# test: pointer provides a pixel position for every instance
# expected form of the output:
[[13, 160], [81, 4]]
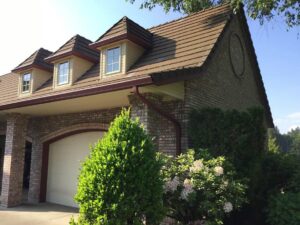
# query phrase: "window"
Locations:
[[26, 82], [113, 57], [63, 73]]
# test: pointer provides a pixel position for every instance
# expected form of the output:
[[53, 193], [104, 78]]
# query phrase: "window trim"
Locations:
[[57, 74], [106, 60], [29, 83]]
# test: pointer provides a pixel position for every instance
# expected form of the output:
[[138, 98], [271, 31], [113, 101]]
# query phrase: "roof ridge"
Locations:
[[186, 16]]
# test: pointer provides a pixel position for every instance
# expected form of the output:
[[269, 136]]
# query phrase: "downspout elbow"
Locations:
[[167, 116]]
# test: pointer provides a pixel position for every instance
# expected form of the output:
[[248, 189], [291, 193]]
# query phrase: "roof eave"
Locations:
[[121, 37], [51, 59], [32, 66]]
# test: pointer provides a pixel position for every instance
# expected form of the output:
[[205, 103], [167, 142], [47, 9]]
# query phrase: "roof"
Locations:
[[36, 60], [178, 48], [78, 46], [125, 29]]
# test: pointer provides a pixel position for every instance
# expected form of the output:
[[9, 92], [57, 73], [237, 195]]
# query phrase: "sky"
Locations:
[[28, 25]]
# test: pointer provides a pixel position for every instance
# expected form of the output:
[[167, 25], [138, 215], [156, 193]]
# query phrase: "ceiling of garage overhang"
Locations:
[[95, 102]]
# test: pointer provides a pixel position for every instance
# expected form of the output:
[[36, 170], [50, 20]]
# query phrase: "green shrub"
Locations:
[[120, 182], [284, 209], [241, 138], [201, 189]]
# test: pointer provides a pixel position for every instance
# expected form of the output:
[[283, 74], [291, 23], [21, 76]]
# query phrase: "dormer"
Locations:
[[33, 72], [121, 46], [71, 60]]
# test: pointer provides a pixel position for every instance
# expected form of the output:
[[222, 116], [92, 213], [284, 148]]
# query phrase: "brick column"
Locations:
[[148, 118], [13, 166], [35, 171]]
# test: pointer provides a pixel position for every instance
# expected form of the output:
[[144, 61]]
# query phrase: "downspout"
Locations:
[[167, 116]]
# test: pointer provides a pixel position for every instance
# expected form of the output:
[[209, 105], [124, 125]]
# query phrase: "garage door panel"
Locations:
[[65, 158]]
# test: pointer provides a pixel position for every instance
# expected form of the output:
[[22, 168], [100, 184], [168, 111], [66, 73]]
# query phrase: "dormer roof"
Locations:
[[125, 29], [36, 60], [78, 46]]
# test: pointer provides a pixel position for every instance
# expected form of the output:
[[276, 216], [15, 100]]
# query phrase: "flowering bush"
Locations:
[[200, 190]]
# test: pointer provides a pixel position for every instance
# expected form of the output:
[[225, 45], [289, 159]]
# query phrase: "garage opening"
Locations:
[[2, 147], [26, 173], [64, 162]]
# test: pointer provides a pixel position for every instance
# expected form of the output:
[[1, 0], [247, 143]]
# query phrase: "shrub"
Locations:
[[241, 138], [120, 181], [200, 189], [284, 209]]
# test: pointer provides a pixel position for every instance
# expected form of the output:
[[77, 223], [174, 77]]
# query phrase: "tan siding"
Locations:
[[133, 53]]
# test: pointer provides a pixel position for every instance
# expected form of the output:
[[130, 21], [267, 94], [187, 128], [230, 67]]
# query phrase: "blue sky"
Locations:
[[31, 24]]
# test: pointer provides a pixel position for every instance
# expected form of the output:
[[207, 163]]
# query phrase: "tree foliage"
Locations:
[[289, 142], [120, 181], [257, 9]]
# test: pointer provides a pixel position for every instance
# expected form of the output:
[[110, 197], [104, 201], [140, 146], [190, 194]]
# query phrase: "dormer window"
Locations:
[[113, 60], [63, 73], [26, 78]]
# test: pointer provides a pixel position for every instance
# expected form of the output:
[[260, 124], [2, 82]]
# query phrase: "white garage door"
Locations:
[[65, 157]]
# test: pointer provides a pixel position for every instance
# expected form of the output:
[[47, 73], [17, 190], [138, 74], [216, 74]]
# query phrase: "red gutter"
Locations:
[[165, 115]]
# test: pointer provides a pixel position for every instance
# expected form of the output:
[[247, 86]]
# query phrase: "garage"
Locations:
[[65, 158]]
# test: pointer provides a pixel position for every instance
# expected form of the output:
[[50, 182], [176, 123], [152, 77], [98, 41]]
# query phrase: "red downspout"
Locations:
[[165, 115]]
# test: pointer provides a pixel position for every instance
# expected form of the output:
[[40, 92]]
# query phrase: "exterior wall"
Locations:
[[39, 77], [219, 86], [80, 66], [133, 53], [12, 181], [157, 126], [41, 127]]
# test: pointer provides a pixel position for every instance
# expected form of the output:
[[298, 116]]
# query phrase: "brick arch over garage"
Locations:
[[58, 135]]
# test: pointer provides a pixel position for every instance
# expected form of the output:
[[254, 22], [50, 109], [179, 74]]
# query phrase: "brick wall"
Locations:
[[161, 129], [218, 86], [12, 182]]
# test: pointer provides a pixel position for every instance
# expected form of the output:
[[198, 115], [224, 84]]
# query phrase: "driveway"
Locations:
[[39, 214]]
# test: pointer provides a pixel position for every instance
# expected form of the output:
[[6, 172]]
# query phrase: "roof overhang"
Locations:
[[32, 66], [121, 37], [51, 59]]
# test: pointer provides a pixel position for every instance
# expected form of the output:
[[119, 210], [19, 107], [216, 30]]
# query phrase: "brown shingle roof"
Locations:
[[78, 46], [125, 29], [36, 60], [185, 43]]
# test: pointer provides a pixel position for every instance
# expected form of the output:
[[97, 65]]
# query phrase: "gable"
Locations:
[[231, 77]]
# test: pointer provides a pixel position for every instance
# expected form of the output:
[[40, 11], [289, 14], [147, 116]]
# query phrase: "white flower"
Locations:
[[228, 207], [172, 185], [197, 166], [225, 183], [186, 192], [218, 170], [187, 183]]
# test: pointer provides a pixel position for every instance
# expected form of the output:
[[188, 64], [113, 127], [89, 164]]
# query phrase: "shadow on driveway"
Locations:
[[37, 214]]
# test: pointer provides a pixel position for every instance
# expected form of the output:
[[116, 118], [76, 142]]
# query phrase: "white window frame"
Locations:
[[58, 74], [106, 60], [28, 83]]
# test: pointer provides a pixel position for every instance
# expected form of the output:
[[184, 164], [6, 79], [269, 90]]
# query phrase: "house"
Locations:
[[54, 104]]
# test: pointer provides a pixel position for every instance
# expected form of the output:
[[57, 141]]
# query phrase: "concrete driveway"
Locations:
[[39, 214]]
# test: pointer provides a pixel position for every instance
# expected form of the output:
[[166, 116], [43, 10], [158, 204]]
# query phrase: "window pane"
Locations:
[[113, 60], [26, 82], [63, 73]]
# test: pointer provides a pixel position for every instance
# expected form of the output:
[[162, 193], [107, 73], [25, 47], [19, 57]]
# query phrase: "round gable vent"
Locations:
[[237, 55]]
